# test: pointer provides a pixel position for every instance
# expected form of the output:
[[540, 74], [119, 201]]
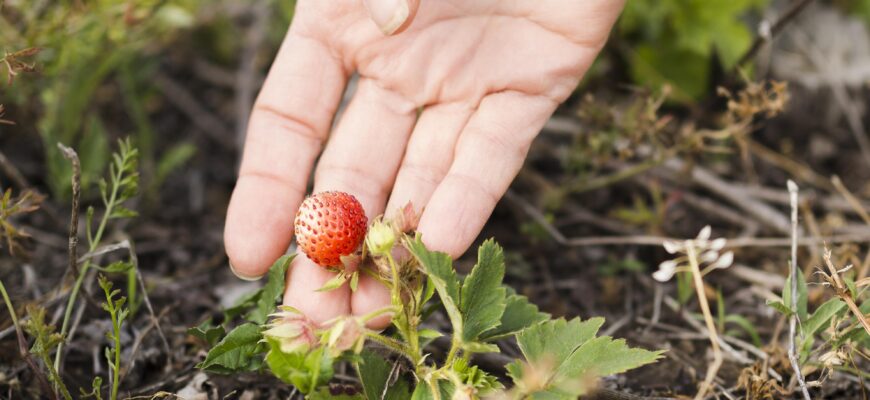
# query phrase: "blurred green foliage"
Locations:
[[83, 44], [674, 41], [98, 57], [860, 8]]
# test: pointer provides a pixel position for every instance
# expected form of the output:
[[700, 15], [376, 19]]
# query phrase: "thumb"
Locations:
[[392, 16]]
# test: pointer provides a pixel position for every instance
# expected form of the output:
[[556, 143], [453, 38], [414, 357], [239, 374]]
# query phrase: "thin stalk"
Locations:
[[55, 377], [451, 355], [8, 302], [116, 365], [713, 369], [22, 345], [110, 205], [377, 313], [792, 320], [392, 344], [409, 330]]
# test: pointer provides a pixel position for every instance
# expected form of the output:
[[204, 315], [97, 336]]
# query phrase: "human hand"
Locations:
[[487, 74]]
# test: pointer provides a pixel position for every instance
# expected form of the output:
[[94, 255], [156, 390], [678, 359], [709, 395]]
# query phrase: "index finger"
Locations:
[[287, 128]]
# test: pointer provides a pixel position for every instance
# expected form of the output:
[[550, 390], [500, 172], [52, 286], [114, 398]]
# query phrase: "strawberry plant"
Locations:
[[561, 358]]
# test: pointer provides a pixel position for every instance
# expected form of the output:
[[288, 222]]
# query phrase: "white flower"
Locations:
[[709, 256], [707, 250], [666, 271], [724, 261], [672, 247], [718, 244], [704, 235]]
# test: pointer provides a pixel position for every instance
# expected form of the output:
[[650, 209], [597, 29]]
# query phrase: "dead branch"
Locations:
[[793, 271], [728, 191], [71, 155]]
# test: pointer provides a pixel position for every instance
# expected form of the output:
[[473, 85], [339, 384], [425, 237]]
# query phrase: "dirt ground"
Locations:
[[582, 224]]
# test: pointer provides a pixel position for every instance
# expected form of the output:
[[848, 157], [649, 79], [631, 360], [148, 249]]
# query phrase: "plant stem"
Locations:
[[8, 302], [116, 366], [110, 205], [22, 346], [377, 313], [409, 330], [395, 289], [793, 271], [713, 368], [55, 377], [451, 355], [392, 344]]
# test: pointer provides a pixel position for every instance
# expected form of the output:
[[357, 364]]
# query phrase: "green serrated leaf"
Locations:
[[604, 356], [120, 211], [473, 376], [374, 374], [242, 304], [118, 266], [207, 332], [439, 268], [482, 297], [235, 352], [305, 371], [570, 356], [555, 340], [272, 291], [518, 314], [424, 391]]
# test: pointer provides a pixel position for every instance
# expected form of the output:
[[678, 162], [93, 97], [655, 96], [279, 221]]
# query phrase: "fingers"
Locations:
[[489, 154], [366, 148], [370, 296], [303, 279], [429, 155], [288, 125], [361, 158], [392, 16]]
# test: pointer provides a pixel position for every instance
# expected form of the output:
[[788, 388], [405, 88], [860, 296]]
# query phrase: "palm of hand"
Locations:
[[487, 73]]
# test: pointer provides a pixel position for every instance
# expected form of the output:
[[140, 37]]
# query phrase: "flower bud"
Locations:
[[380, 238], [293, 332], [346, 334]]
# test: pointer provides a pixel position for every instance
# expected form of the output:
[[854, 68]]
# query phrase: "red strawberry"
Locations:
[[330, 225]]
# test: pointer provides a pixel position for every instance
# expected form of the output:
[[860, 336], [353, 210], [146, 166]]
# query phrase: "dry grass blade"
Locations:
[[833, 278], [713, 368], [850, 198]]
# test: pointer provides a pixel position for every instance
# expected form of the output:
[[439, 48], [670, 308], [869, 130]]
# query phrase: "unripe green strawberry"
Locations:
[[330, 225]]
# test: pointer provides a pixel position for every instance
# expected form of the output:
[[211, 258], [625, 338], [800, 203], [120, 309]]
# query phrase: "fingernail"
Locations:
[[389, 15], [242, 276]]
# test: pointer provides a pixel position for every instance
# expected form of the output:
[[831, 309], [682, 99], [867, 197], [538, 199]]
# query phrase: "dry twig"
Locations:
[[793, 271]]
